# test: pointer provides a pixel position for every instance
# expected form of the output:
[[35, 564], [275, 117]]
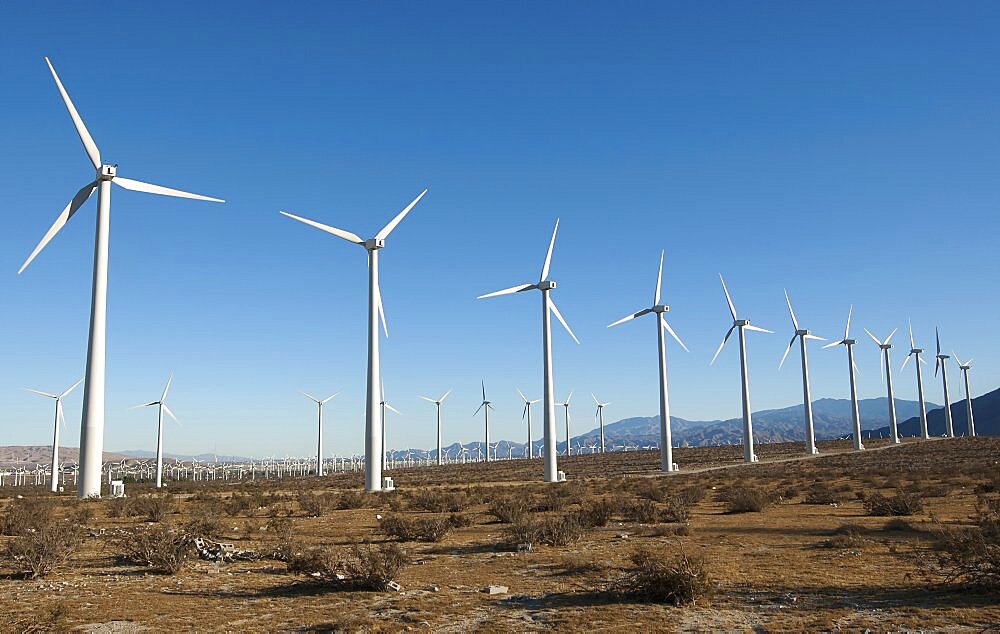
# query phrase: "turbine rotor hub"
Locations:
[[106, 172], [801, 333], [741, 322], [373, 244], [849, 342], [661, 308], [916, 350], [885, 346], [546, 285]]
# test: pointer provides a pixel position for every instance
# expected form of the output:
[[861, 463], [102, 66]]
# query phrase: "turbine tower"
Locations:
[[941, 363], [548, 306], [569, 451], [319, 429], [599, 414], [384, 405], [965, 367], [852, 369], [486, 407], [666, 442], [743, 325], [527, 412], [884, 347], [92, 422], [915, 353], [54, 485], [437, 404], [161, 409], [802, 334], [373, 412]]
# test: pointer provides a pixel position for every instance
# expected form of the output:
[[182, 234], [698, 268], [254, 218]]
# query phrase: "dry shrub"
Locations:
[[154, 507], [239, 503], [677, 509], [648, 489], [459, 520], [553, 530], [902, 503], [641, 511], [595, 513], [676, 578], [821, 494], [354, 500], [439, 501], [206, 520], [746, 499], [41, 549], [26, 515], [160, 548], [554, 499], [846, 536], [898, 525], [417, 529], [316, 504], [691, 495], [121, 507], [368, 567], [971, 555], [509, 509]]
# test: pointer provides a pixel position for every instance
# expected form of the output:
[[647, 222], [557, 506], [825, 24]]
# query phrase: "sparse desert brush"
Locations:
[[459, 520], [240, 503], [552, 530], [25, 515], [206, 520], [846, 536], [677, 508], [641, 511], [577, 564], [692, 494], [596, 513], [746, 499], [675, 578], [438, 501], [279, 528], [649, 489], [41, 549], [508, 509], [901, 503], [354, 500], [160, 548], [316, 504], [897, 525], [971, 554], [821, 493], [415, 529], [367, 567], [153, 507], [552, 500]]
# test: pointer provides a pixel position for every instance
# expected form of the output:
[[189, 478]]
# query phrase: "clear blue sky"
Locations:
[[848, 152]]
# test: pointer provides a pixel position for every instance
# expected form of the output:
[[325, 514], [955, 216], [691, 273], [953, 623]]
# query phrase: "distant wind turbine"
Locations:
[[319, 429], [915, 353], [437, 404], [548, 306], [802, 334], [54, 487], [941, 363], [486, 407], [527, 412], [373, 411], [852, 369], [569, 451], [384, 405], [161, 409], [666, 440], [92, 423], [599, 414], [884, 347], [965, 367], [743, 325]]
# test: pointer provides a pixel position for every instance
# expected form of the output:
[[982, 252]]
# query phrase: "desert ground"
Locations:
[[792, 543]]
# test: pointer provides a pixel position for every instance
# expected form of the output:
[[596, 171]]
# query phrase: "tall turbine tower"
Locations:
[[319, 429], [941, 363], [915, 353], [743, 325], [161, 409], [569, 450], [54, 485], [373, 411], [965, 367], [486, 407], [658, 309], [599, 414], [852, 369], [884, 347], [92, 423], [548, 306], [527, 412], [437, 404], [802, 334]]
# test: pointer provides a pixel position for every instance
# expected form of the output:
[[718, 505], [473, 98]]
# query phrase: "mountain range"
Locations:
[[985, 414]]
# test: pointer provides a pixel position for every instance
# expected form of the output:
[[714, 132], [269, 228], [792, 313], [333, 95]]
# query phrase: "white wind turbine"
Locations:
[[743, 325], [548, 306], [527, 412], [161, 409], [373, 412], [92, 423], [486, 407], [941, 362], [319, 428], [599, 414], [59, 416], [569, 450], [437, 404], [915, 353], [384, 405], [965, 367], [884, 347], [666, 441], [802, 334], [852, 368]]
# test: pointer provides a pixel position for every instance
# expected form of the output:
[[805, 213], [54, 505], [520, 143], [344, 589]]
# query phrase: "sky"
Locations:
[[845, 151]]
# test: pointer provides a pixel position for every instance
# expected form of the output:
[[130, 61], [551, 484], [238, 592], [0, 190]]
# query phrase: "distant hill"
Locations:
[[31, 455], [985, 412], [202, 457]]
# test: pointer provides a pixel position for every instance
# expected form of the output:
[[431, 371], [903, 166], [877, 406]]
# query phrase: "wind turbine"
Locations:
[[852, 368], [802, 334], [569, 450], [941, 363], [600, 417], [59, 416], [527, 412], [319, 429], [161, 409], [92, 422], [666, 442], [743, 325], [965, 367], [437, 404], [915, 353], [373, 412], [486, 407], [884, 347], [548, 306], [384, 405]]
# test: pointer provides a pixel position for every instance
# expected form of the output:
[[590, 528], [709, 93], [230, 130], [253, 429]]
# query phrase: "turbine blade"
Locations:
[[149, 188], [548, 254], [39, 392], [145, 405], [62, 417], [905, 361], [847, 329], [479, 408], [910, 324], [508, 291], [937, 337], [555, 311], [874, 338], [310, 397], [881, 365], [381, 309], [832, 344], [787, 350], [88, 142], [724, 340], [732, 309], [891, 334], [570, 397], [166, 389], [386, 230], [666, 326], [814, 337], [659, 280], [169, 413], [392, 409], [70, 388], [758, 329], [63, 217], [795, 322], [441, 400], [597, 402], [524, 412], [483, 383], [330, 397], [630, 317], [855, 363], [429, 400], [937, 365], [340, 233], [523, 397]]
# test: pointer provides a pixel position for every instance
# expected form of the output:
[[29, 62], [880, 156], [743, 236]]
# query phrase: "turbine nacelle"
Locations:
[[849, 342], [545, 285], [106, 172], [916, 350], [739, 323], [372, 244], [660, 308], [802, 333], [885, 346]]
